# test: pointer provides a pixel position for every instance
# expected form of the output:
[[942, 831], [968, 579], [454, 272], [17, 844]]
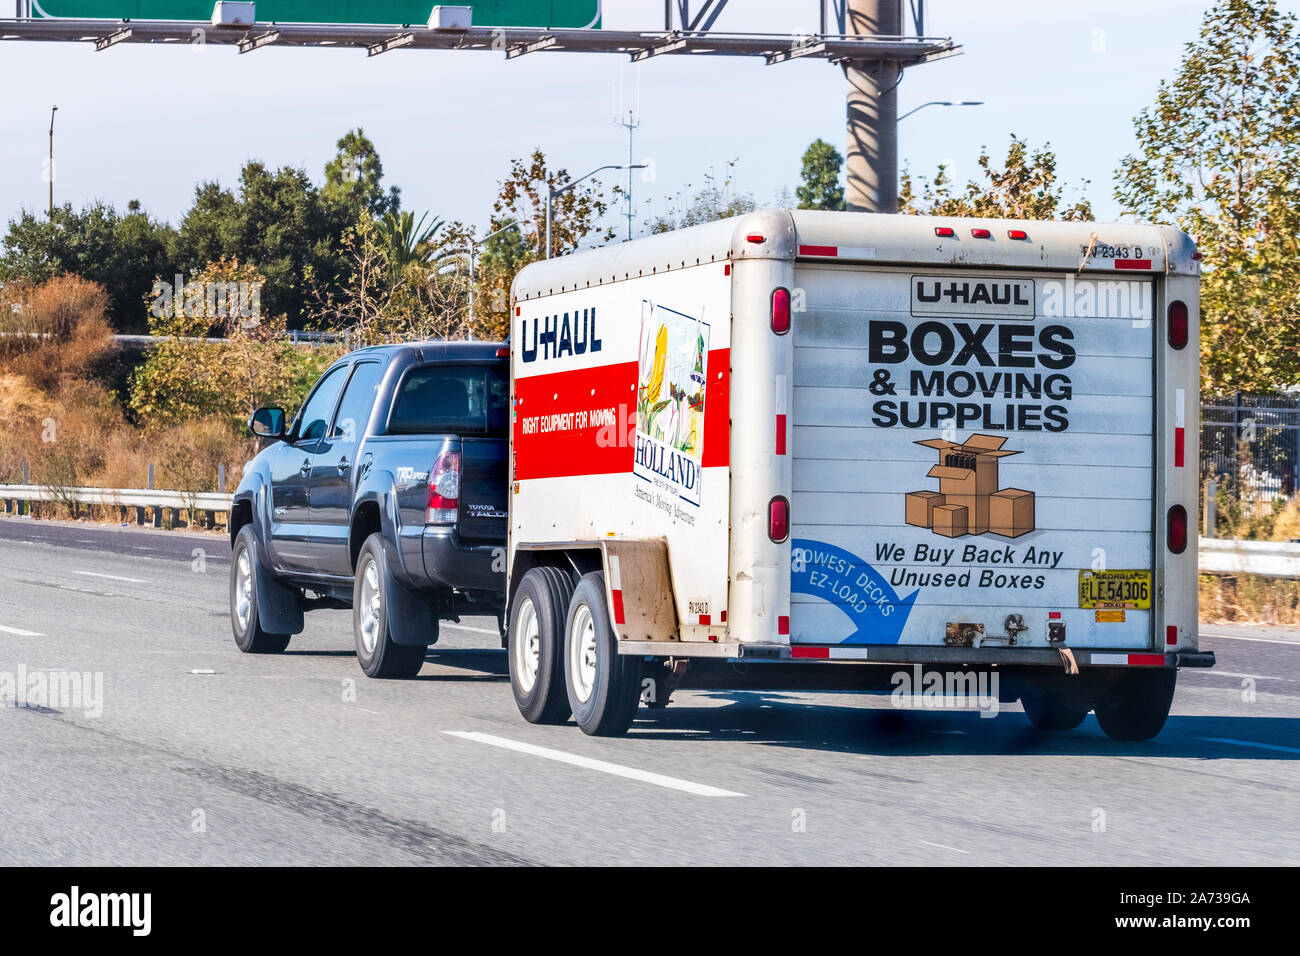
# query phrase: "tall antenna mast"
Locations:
[[630, 119]]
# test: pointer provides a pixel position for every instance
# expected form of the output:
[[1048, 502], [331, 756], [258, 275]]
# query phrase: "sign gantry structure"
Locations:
[[865, 37]]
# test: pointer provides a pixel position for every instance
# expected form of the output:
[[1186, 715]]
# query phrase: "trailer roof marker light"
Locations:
[[1017, 234], [756, 238], [945, 232], [781, 311], [982, 233], [1178, 324]]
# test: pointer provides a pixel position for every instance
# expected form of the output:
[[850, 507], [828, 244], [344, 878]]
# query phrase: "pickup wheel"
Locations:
[[535, 645], [245, 619], [1136, 704], [377, 653], [604, 686], [1053, 711]]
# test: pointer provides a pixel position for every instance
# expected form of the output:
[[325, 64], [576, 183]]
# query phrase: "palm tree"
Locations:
[[408, 242]]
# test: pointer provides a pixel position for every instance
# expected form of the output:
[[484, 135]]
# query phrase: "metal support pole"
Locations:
[[872, 156], [1211, 507], [50, 172]]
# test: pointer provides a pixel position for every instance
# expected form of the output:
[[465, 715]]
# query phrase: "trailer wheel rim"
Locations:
[[582, 653], [243, 590], [371, 606], [527, 646]]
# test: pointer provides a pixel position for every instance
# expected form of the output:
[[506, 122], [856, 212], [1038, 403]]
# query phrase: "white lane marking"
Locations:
[[202, 670], [1251, 743], [587, 763], [19, 632], [1218, 673], [1257, 640], [477, 630], [111, 577], [942, 846]]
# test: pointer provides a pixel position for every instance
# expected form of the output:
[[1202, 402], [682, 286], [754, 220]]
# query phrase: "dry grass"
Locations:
[[1249, 599]]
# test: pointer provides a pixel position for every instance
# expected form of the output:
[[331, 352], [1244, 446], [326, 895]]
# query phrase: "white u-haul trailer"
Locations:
[[796, 443]]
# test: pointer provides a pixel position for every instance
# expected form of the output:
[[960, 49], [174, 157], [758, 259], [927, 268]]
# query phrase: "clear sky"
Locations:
[[148, 122]]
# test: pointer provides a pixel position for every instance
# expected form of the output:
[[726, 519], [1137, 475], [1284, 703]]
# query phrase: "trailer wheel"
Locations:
[[1136, 704], [1053, 711], [604, 686], [245, 616], [377, 653], [535, 645]]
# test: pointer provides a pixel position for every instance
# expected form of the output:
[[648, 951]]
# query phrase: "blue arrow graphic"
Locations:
[[842, 578]]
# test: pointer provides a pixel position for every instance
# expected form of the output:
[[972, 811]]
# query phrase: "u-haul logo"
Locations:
[[555, 336], [986, 296]]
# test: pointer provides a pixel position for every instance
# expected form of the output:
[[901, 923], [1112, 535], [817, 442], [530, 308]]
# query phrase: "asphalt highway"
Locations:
[[171, 747]]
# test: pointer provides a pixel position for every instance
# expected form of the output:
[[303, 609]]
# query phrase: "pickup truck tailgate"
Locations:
[[483, 501]]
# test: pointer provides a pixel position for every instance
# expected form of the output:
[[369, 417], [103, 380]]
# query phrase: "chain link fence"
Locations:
[[1250, 460]]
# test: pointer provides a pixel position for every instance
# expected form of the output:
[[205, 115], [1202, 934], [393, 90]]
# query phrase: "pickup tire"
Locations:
[[377, 653], [535, 645], [1053, 711], [245, 616], [604, 687], [1136, 704]]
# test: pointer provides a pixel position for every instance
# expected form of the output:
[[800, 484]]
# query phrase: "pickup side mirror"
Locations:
[[267, 423]]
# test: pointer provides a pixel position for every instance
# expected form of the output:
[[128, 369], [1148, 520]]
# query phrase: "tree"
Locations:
[[575, 212], [278, 223], [716, 199], [821, 187], [124, 254], [1219, 156], [1025, 188], [353, 178]]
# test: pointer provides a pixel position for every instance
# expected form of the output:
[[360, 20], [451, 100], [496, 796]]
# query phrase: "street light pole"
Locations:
[[473, 255], [552, 192], [50, 172]]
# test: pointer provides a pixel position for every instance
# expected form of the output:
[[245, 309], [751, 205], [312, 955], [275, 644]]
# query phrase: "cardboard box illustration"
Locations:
[[950, 521], [1011, 512], [920, 507], [968, 481]]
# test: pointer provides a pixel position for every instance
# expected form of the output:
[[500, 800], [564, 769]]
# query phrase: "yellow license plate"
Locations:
[[1115, 589]]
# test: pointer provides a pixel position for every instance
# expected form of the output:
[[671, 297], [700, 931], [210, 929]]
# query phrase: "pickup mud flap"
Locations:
[[412, 620]]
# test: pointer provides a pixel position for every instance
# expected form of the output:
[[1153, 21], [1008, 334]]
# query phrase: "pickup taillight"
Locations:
[[444, 489]]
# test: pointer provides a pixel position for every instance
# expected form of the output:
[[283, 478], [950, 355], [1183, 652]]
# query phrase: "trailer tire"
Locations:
[[604, 687], [245, 609], [535, 645], [378, 654], [1136, 704], [1053, 711]]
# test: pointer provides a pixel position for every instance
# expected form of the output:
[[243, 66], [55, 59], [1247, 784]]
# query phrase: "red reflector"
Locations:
[[1177, 529], [1171, 633], [1178, 324], [755, 238], [783, 624], [726, 270], [981, 234], [778, 519], [944, 232], [518, 309], [1017, 234], [503, 353], [781, 311], [814, 652], [829, 252], [1146, 660]]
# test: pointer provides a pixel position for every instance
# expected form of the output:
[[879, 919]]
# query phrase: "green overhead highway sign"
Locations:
[[577, 14]]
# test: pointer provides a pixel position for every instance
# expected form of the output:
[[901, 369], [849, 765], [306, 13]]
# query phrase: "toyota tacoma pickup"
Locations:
[[385, 494]]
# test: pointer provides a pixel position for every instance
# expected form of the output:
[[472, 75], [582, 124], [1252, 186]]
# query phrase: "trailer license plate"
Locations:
[[1115, 589]]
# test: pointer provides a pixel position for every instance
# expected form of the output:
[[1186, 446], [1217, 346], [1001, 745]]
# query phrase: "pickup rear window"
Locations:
[[453, 399]]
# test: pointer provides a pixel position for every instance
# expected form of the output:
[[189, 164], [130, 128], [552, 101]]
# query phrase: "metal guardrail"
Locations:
[[17, 499], [1268, 558]]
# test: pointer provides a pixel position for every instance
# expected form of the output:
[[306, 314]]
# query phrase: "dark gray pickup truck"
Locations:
[[386, 494]]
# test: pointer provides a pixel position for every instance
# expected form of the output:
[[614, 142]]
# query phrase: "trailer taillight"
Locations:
[[1178, 324], [1177, 525], [778, 519], [781, 311], [444, 489]]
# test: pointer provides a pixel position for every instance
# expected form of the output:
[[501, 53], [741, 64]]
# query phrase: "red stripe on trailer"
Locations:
[[1132, 263], [1179, 439], [722, 617], [783, 624], [829, 252], [705, 620], [1146, 660], [817, 652], [717, 411], [1171, 633], [618, 606], [780, 434]]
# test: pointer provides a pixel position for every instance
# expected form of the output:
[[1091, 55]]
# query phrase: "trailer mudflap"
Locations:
[[639, 587]]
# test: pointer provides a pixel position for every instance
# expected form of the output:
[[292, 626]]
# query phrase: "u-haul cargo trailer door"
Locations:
[[969, 445]]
